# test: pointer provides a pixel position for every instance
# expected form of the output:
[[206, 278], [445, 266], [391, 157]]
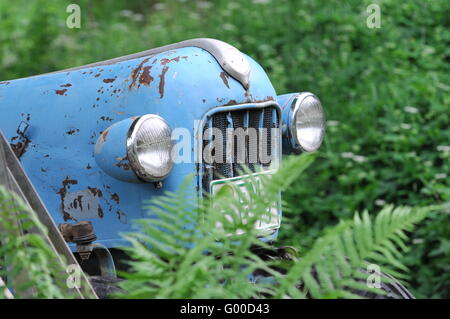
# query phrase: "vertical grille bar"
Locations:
[[207, 166], [239, 161], [266, 147], [230, 155], [275, 147], [253, 141], [222, 169]]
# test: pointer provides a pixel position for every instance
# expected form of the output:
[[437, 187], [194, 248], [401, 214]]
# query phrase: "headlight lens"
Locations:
[[307, 123], [149, 146]]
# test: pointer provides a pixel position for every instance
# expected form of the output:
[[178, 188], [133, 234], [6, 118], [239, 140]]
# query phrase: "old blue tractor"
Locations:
[[96, 141]]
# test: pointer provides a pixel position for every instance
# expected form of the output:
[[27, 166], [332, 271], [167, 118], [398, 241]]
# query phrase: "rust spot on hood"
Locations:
[[65, 183], [77, 202], [62, 193], [177, 59], [162, 81], [20, 147], [95, 191], [123, 163], [231, 102], [104, 134], [66, 85], [135, 73], [100, 212], [224, 78], [109, 80], [61, 92], [145, 77], [72, 131], [115, 198]]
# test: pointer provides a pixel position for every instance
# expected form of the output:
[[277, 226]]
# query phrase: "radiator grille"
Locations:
[[258, 151]]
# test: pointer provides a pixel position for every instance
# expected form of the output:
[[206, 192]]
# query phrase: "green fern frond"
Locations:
[[203, 260], [339, 258], [23, 250], [180, 252]]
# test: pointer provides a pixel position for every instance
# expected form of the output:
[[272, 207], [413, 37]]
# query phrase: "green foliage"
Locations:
[[344, 250], [385, 91], [181, 251], [186, 251], [26, 261]]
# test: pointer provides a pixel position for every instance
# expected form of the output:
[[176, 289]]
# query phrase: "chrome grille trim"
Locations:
[[259, 115]]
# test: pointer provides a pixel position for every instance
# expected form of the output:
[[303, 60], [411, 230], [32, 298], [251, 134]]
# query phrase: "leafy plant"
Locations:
[[189, 251], [340, 255], [26, 260], [186, 250], [183, 251]]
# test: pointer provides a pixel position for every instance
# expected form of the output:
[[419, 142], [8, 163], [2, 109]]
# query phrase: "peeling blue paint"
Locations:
[[67, 112]]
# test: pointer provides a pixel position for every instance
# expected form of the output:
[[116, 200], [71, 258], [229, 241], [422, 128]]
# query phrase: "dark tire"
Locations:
[[393, 289], [105, 287]]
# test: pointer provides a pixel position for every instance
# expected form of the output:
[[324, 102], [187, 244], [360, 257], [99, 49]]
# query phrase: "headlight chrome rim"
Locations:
[[133, 156], [292, 125]]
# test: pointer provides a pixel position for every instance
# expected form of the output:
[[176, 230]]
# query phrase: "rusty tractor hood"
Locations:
[[53, 121]]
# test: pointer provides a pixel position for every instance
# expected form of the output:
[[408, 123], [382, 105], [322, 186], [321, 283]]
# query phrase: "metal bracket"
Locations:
[[82, 234], [105, 260]]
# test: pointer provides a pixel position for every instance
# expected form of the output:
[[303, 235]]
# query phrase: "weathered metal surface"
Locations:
[[67, 112], [285, 102], [110, 152], [228, 57], [15, 179]]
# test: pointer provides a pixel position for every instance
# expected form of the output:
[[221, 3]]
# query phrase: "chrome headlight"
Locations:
[[306, 123], [149, 147]]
